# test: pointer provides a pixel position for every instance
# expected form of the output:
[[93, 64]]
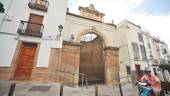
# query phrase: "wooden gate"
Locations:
[[91, 61]]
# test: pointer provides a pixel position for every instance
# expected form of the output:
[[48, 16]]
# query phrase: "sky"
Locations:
[[153, 15]]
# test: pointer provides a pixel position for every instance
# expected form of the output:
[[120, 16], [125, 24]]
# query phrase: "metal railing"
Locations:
[[39, 4], [79, 74], [120, 85], [30, 28]]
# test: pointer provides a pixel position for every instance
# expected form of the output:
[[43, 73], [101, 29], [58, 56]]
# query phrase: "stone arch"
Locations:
[[71, 58], [94, 31]]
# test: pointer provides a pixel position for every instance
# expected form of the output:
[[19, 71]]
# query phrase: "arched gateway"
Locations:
[[89, 47], [91, 58]]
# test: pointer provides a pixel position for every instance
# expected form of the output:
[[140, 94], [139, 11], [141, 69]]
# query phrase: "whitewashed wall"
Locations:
[[7, 49], [131, 35], [19, 10], [150, 51], [124, 58]]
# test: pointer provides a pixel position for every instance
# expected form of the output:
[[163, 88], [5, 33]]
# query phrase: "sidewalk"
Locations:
[[129, 90], [53, 89]]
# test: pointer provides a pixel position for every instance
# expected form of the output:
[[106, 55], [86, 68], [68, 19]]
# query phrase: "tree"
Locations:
[[165, 66]]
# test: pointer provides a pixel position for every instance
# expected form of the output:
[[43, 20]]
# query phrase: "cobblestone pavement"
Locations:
[[53, 89]]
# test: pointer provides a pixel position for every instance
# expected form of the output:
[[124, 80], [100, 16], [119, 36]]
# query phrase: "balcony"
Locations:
[[39, 5], [30, 29]]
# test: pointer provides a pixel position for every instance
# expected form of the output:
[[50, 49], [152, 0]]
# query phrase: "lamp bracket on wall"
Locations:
[[60, 29]]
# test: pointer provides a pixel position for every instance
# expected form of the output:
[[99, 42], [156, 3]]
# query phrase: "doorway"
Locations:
[[34, 24], [25, 61], [91, 59], [138, 71]]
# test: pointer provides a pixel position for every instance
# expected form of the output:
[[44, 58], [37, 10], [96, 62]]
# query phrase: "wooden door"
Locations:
[[138, 71], [91, 61], [34, 24], [25, 61]]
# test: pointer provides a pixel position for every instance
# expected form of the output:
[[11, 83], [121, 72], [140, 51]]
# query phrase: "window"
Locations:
[[140, 37], [168, 61], [168, 57], [154, 70], [128, 69], [32, 27], [150, 55], [142, 48], [148, 42], [149, 46], [164, 51], [135, 50]]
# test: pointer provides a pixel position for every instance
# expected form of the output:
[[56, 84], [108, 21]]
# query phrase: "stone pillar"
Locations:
[[57, 64], [111, 65], [70, 59]]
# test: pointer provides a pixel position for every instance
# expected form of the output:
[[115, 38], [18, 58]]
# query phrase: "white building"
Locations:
[[163, 57], [139, 50], [29, 24], [133, 58]]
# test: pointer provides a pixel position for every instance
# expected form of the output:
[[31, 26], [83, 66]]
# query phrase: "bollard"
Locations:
[[86, 84], [120, 89], [96, 90], [82, 81], [11, 91], [61, 90]]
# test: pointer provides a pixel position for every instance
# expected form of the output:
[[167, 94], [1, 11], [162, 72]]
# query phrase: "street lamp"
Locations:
[[60, 28]]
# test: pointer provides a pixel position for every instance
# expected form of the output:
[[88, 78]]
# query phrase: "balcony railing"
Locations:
[[39, 5], [30, 29]]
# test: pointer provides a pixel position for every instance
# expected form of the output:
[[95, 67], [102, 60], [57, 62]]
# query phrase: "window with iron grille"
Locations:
[[154, 70], [149, 46], [135, 50], [142, 48], [128, 69], [140, 37], [164, 51]]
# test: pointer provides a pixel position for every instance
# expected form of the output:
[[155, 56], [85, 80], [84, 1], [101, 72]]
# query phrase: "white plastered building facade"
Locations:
[[15, 11], [15, 18]]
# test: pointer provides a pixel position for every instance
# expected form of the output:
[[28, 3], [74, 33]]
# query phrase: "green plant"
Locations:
[[165, 66]]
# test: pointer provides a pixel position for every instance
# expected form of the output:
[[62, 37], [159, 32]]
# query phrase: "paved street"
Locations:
[[53, 89]]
